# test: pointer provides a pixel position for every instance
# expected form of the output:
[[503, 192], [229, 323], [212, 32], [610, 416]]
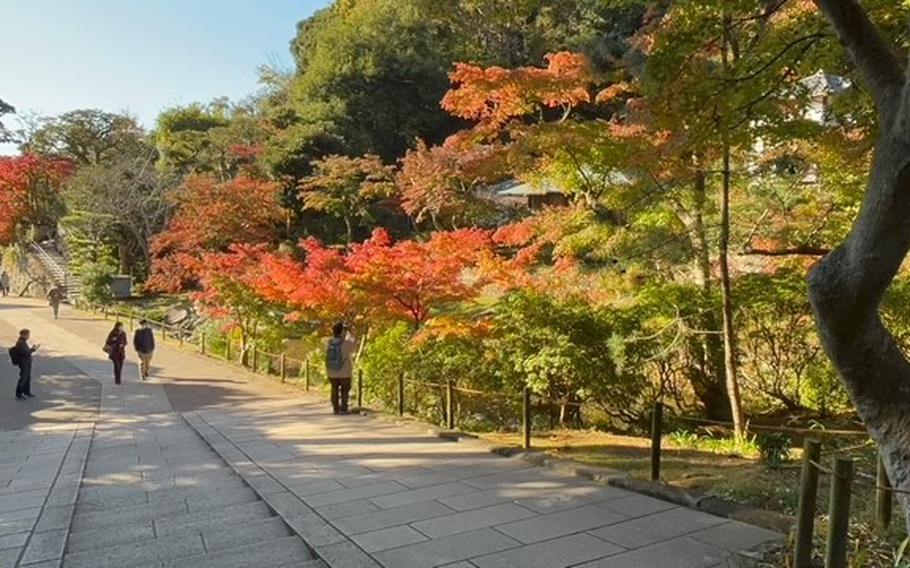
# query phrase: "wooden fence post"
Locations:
[[657, 430], [163, 333], [450, 406], [808, 493], [883, 496], [359, 388], [254, 359], [202, 342], [839, 513], [526, 418], [227, 348], [400, 394], [282, 367], [306, 376]]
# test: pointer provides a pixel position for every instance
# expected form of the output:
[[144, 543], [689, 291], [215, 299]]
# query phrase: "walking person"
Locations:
[[339, 366], [115, 347], [144, 344], [54, 298], [21, 356], [4, 283]]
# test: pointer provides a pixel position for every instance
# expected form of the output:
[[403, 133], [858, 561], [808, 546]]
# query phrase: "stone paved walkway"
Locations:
[[208, 466]]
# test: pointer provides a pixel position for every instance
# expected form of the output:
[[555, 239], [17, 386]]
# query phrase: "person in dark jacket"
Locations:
[[144, 344], [23, 358], [54, 298], [115, 346]]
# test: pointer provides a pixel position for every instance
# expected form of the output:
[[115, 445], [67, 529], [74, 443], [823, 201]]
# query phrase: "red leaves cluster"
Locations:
[[410, 277], [316, 288], [27, 182], [495, 95], [228, 279], [438, 182], [379, 279], [210, 217]]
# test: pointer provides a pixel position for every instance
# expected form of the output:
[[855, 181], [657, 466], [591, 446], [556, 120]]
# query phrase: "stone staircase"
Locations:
[[200, 519], [57, 268]]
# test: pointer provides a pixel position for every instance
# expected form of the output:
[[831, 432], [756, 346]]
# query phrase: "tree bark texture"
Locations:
[[726, 286], [847, 286]]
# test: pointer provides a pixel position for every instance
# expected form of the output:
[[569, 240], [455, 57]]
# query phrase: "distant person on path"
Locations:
[[21, 356], [115, 347], [54, 298], [4, 283], [144, 344], [339, 366]]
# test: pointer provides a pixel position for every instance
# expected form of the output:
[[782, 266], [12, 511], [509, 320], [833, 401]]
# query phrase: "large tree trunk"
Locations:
[[709, 385], [846, 287]]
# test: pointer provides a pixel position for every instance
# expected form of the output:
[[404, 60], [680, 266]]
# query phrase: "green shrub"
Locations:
[[383, 359], [773, 448], [96, 282]]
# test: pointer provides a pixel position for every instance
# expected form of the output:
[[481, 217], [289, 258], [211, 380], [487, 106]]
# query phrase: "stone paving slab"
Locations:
[[397, 507], [138, 489]]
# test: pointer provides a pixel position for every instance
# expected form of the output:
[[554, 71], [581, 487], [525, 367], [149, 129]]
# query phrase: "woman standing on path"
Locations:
[[115, 347]]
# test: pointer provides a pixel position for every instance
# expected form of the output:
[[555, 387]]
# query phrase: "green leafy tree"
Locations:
[[348, 188], [86, 137]]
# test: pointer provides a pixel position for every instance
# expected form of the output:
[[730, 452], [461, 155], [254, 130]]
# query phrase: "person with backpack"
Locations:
[[144, 344], [21, 356], [115, 347], [339, 366], [54, 298]]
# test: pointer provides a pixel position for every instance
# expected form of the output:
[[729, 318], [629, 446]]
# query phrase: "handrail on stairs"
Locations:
[[59, 273]]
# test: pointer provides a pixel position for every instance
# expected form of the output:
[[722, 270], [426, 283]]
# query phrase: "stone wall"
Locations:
[[28, 277]]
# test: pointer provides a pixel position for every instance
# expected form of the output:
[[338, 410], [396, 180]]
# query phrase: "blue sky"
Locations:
[[139, 56]]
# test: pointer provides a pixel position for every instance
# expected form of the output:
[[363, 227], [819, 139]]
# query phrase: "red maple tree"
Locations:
[[316, 288], [494, 95], [210, 217], [228, 288], [410, 278], [29, 188], [379, 280]]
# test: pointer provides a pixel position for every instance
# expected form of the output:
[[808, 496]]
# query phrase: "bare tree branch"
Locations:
[[802, 250]]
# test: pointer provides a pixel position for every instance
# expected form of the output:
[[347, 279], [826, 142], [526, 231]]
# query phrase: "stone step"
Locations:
[[263, 543], [288, 551], [139, 553], [214, 519], [98, 498], [118, 547], [169, 515]]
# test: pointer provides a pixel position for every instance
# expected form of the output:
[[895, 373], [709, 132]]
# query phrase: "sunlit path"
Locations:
[[205, 465], [152, 493]]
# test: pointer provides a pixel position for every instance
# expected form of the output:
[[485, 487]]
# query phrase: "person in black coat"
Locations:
[[115, 346], [144, 344], [22, 356]]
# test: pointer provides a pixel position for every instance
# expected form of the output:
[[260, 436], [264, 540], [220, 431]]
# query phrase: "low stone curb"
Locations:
[[330, 546], [47, 543]]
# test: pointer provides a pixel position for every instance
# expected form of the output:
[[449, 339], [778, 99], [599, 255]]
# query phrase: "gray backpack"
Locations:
[[334, 357]]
